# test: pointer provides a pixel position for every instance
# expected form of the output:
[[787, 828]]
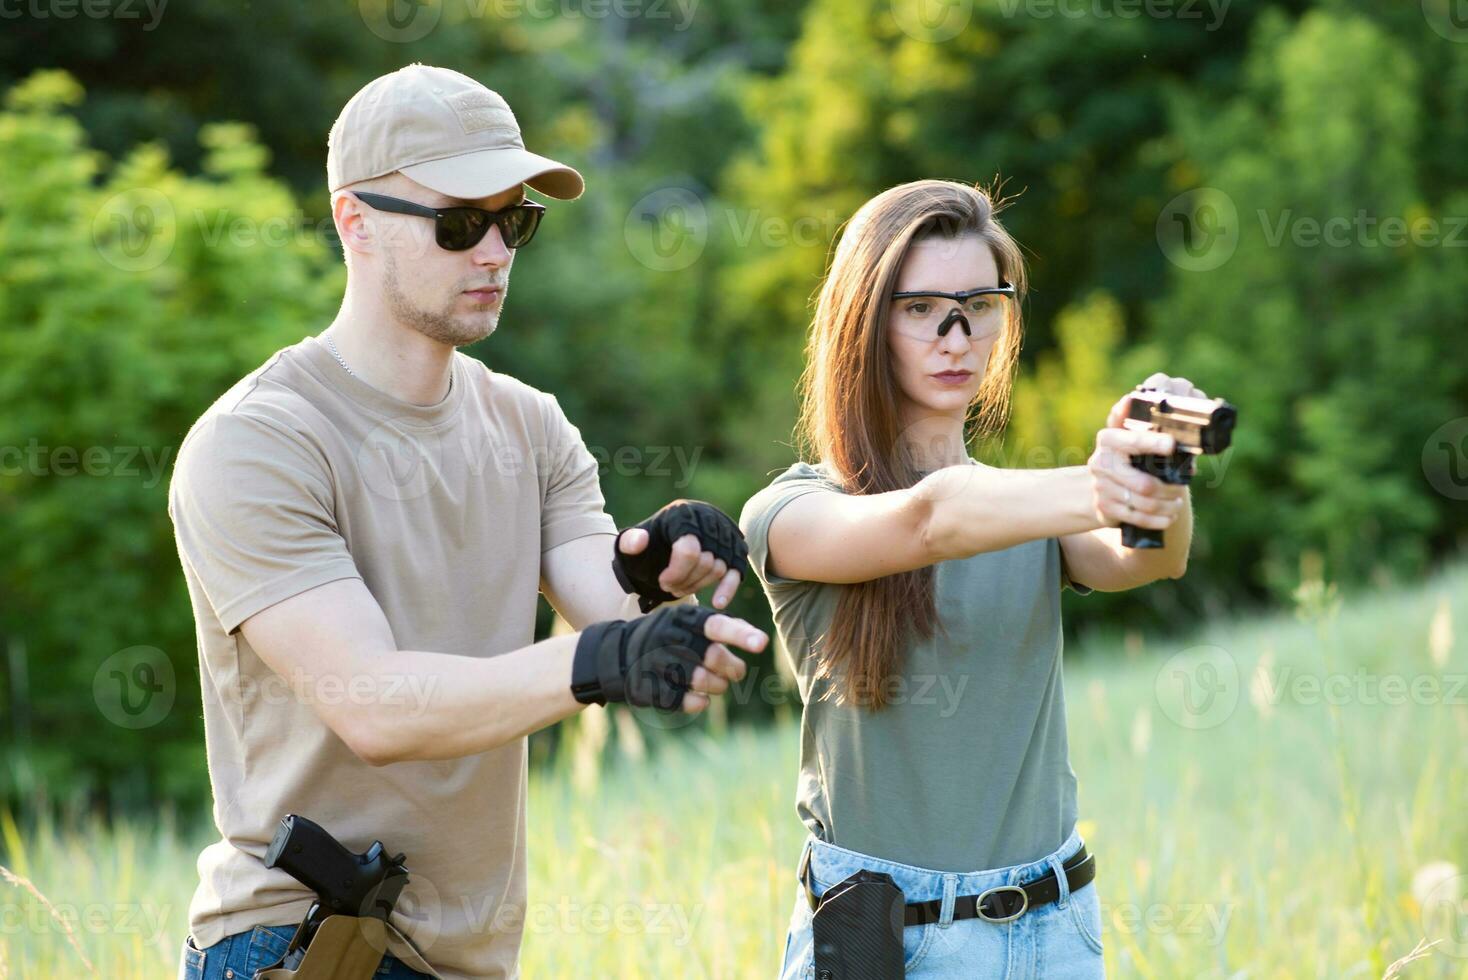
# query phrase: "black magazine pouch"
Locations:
[[857, 929]]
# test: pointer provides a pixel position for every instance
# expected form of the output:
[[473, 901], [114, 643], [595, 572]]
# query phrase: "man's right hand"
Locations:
[[672, 658]]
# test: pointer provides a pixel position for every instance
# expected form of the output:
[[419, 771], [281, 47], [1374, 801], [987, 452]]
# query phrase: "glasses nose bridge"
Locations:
[[491, 249], [955, 323]]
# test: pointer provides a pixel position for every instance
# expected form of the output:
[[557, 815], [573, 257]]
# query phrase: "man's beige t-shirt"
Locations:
[[302, 474]]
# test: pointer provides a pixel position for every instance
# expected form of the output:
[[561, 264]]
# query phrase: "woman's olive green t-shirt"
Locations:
[[967, 767]]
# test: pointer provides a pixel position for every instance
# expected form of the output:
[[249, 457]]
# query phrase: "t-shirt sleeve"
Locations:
[[253, 516], [1065, 580], [759, 512], [573, 505]]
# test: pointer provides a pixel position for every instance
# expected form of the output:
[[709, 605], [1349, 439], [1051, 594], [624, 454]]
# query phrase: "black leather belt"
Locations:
[[1002, 903]]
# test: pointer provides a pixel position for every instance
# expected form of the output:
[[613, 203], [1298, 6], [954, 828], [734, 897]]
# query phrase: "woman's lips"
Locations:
[[952, 377]]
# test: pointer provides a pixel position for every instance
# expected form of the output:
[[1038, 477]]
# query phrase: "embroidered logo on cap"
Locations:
[[481, 111]]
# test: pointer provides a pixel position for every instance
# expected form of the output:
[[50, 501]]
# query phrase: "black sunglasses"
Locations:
[[1003, 289], [457, 229]]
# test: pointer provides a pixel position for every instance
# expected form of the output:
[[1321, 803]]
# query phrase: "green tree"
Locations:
[[1332, 335], [132, 297]]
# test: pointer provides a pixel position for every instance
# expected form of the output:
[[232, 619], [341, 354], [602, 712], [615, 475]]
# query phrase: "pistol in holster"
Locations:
[[344, 933]]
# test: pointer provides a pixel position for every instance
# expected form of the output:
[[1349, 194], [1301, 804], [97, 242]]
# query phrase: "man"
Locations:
[[364, 523]]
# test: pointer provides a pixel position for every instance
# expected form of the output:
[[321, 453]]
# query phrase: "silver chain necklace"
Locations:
[[337, 354]]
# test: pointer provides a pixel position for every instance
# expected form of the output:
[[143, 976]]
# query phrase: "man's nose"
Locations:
[[491, 250]]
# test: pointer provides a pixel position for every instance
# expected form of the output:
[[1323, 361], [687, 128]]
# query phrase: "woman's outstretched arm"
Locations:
[[960, 511]]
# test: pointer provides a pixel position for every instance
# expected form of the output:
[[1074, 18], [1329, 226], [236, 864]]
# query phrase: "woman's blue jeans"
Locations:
[[1058, 941]]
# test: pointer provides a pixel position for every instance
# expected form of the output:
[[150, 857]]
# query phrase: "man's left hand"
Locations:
[[684, 547]]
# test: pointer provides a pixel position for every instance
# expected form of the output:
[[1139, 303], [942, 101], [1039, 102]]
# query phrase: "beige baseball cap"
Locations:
[[442, 129]]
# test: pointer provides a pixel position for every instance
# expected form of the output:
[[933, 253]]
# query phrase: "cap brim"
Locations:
[[484, 173]]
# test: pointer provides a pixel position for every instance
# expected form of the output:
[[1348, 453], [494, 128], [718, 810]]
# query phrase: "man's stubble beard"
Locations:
[[445, 326]]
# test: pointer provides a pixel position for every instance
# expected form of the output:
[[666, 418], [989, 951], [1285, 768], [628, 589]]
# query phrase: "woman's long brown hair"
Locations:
[[850, 399]]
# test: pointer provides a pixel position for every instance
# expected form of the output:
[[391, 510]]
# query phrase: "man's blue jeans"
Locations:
[[237, 957]]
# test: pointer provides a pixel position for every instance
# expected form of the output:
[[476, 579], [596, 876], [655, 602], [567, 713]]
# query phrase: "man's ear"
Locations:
[[350, 218]]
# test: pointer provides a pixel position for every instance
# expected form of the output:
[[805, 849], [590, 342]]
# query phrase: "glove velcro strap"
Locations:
[[597, 674], [645, 662]]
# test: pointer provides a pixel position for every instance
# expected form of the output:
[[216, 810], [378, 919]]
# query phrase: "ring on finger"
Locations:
[[1127, 500]]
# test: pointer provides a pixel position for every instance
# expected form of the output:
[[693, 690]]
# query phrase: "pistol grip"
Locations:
[[1141, 537]]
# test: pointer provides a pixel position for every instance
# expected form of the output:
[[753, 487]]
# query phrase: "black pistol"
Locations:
[[1197, 425], [345, 883]]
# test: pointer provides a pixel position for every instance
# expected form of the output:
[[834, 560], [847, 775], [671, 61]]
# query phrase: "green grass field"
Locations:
[[1278, 797]]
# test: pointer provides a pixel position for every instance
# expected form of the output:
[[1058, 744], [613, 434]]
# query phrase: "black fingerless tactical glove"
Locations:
[[646, 662], [716, 532]]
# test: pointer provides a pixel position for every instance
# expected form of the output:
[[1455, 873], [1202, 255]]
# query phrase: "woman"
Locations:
[[917, 593]]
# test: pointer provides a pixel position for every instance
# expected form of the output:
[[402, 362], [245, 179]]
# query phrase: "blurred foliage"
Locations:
[[129, 306], [164, 228]]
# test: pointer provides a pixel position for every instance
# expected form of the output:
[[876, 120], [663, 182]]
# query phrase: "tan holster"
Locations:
[[345, 947]]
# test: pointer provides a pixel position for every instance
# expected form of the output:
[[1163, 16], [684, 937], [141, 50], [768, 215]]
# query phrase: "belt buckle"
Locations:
[[1024, 903]]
